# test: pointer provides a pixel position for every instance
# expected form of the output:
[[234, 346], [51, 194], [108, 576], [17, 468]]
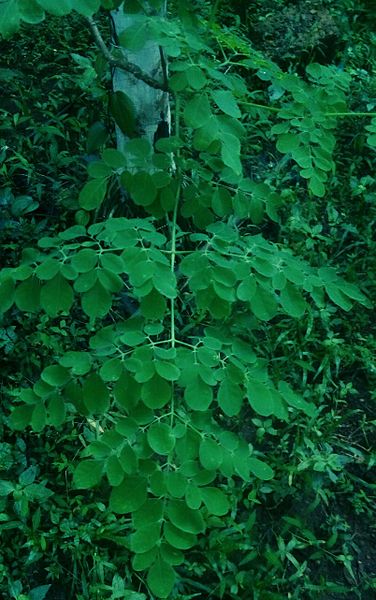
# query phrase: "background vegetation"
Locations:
[[307, 533]]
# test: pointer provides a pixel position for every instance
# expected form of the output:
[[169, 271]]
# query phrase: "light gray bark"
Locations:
[[151, 104]]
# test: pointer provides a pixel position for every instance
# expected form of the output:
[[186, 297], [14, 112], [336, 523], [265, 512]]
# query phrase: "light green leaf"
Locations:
[[39, 417], [161, 438], [88, 474], [56, 296], [161, 578], [112, 262], [225, 100], [210, 454], [185, 518], [129, 496], [260, 469], [95, 394]]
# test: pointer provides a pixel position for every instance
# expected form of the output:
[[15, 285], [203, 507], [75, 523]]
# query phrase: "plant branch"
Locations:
[[123, 63]]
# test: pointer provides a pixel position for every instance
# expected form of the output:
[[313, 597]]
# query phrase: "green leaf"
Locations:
[[230, 152], [21, 417], [164, 281], [335, 294], [161, 438], [111, 369], [196, 77], [161, 578], [86, 7], [9, 18], [215, 501], [7, 294], [39, 417], [294, 400], [198, 394], [150, 512], [48, 269], [167, 370], [287, 142], [225, 100], [114, 470], [260, 469], [263, 304], [143, 189], [260, 398], [93, 193], [58, 9], [56, 411], [55, 375], [156, 392], [230, 397], [178, 538], [95, 395], [112, 262], [97, 301], [316, 186], [28, 295], [292, 301], [153, 306], [197, 111], [6, 488], [146, 538], [85, 260], [129, 496], [210, 454], [127, 392], [78, 362], [124, 112], [185, 518], [88, 473], [56, 296]]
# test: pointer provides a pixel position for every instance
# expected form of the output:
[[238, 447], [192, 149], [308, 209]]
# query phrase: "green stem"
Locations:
[[327, 114]]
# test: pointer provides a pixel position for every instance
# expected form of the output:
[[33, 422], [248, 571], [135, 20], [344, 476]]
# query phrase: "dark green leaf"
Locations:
[[129, 496]]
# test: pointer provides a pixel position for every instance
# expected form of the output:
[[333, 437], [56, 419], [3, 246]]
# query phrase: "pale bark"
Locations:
[[151, 104]]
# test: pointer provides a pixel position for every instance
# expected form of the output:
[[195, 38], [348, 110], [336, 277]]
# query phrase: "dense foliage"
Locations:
[[188, 337]]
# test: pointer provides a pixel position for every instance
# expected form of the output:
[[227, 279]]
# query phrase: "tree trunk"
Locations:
[[152, 105]]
